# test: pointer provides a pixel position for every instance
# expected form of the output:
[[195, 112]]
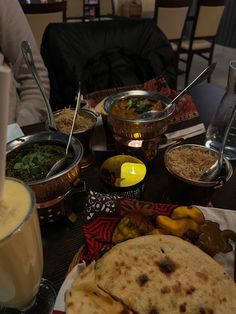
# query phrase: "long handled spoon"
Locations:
[[212, 173], [61, 163], [199, 79], [27, 53]]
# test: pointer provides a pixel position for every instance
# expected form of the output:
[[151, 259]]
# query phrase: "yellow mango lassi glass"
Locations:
[[21, 254]]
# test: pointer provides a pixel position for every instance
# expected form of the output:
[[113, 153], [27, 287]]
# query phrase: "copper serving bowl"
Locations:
[[138, 129], [51, 193], [186, 191]]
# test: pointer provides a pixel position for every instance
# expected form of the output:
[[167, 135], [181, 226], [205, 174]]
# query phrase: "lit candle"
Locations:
[[5, 81], [132, 173]]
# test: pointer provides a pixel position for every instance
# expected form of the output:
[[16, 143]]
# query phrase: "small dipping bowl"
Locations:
[[84, 135], [123, 175], [183, 190]]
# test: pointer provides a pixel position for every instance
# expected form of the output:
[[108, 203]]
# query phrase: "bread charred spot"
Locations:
[[182, 308], [70, 304], [190, 290], [166, 266], [165, 290], [154, 311], [142, 280], [162, 250]]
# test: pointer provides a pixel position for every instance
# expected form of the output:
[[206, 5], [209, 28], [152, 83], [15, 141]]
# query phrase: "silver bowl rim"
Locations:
[[198, 182], [44, 136], [169, 110]]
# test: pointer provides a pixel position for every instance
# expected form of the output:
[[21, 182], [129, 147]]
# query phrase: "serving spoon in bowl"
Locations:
[[153, 114], [28, 56], [61, 163], [214, 171]]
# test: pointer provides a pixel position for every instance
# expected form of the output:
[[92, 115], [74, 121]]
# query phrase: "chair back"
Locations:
[[148, 8], [41, 14], [123, 52], [171, 16], [205, 24], [207, 18], [74, 9], [107, 8]]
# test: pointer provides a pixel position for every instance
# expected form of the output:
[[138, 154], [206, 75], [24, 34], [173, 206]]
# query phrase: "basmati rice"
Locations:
[[190, 162], [65, 118]]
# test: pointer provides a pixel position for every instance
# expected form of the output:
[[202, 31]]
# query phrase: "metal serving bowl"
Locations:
[[139, 129], [51, 192], [84, 136], [186, 191]]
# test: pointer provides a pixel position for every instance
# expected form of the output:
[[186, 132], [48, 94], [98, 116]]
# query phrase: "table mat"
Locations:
[[105, 219]]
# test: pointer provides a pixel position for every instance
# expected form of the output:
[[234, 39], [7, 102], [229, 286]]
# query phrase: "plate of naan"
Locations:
[[152, 274]]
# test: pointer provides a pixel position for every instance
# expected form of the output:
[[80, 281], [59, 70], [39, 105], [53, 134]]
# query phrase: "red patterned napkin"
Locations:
[[109, 219], [102, 215]]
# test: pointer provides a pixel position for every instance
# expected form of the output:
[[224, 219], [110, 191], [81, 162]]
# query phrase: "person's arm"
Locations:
[[14, 29]]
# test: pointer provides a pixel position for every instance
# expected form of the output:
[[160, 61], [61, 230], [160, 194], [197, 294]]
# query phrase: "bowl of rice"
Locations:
[[83, 130], [185, 164]]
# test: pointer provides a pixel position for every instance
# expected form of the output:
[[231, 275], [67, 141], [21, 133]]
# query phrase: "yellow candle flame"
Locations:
[[132, 173]]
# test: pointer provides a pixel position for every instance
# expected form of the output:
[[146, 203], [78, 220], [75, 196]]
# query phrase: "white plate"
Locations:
[[60, 301]]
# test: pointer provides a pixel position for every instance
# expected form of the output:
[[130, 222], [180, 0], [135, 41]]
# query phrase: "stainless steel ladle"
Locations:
[[153, 114], [214, 171], [61, 163], [27, 53]]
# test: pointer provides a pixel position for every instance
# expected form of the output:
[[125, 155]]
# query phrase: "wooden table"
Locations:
[[62, 240]]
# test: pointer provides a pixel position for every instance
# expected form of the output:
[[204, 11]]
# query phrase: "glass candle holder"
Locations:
[[123, 175]]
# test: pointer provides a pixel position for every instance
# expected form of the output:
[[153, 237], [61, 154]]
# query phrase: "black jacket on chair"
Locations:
[[104, 54]]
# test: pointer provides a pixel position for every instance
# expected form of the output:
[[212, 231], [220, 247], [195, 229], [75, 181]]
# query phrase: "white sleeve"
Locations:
[[14, 29]]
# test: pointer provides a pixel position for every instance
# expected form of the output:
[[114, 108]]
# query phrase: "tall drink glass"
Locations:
[[21, 255]]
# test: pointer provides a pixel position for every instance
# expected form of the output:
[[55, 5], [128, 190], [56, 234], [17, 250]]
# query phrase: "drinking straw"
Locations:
[[5, 81]]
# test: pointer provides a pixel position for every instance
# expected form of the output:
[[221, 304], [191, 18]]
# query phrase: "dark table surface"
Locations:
[[61, 240]]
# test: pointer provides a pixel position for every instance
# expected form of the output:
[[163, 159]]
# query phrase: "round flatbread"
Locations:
[[153, 274], [162, 274]]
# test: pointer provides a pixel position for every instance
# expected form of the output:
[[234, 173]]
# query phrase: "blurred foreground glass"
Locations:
[[186, 191], [21, 255], [221, 119]]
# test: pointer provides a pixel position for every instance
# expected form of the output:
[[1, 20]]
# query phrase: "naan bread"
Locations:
[[162, 274], [153, 274], [85, 297], [100, 107]]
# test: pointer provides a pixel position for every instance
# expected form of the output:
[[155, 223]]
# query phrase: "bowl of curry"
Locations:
[[126, 114]]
